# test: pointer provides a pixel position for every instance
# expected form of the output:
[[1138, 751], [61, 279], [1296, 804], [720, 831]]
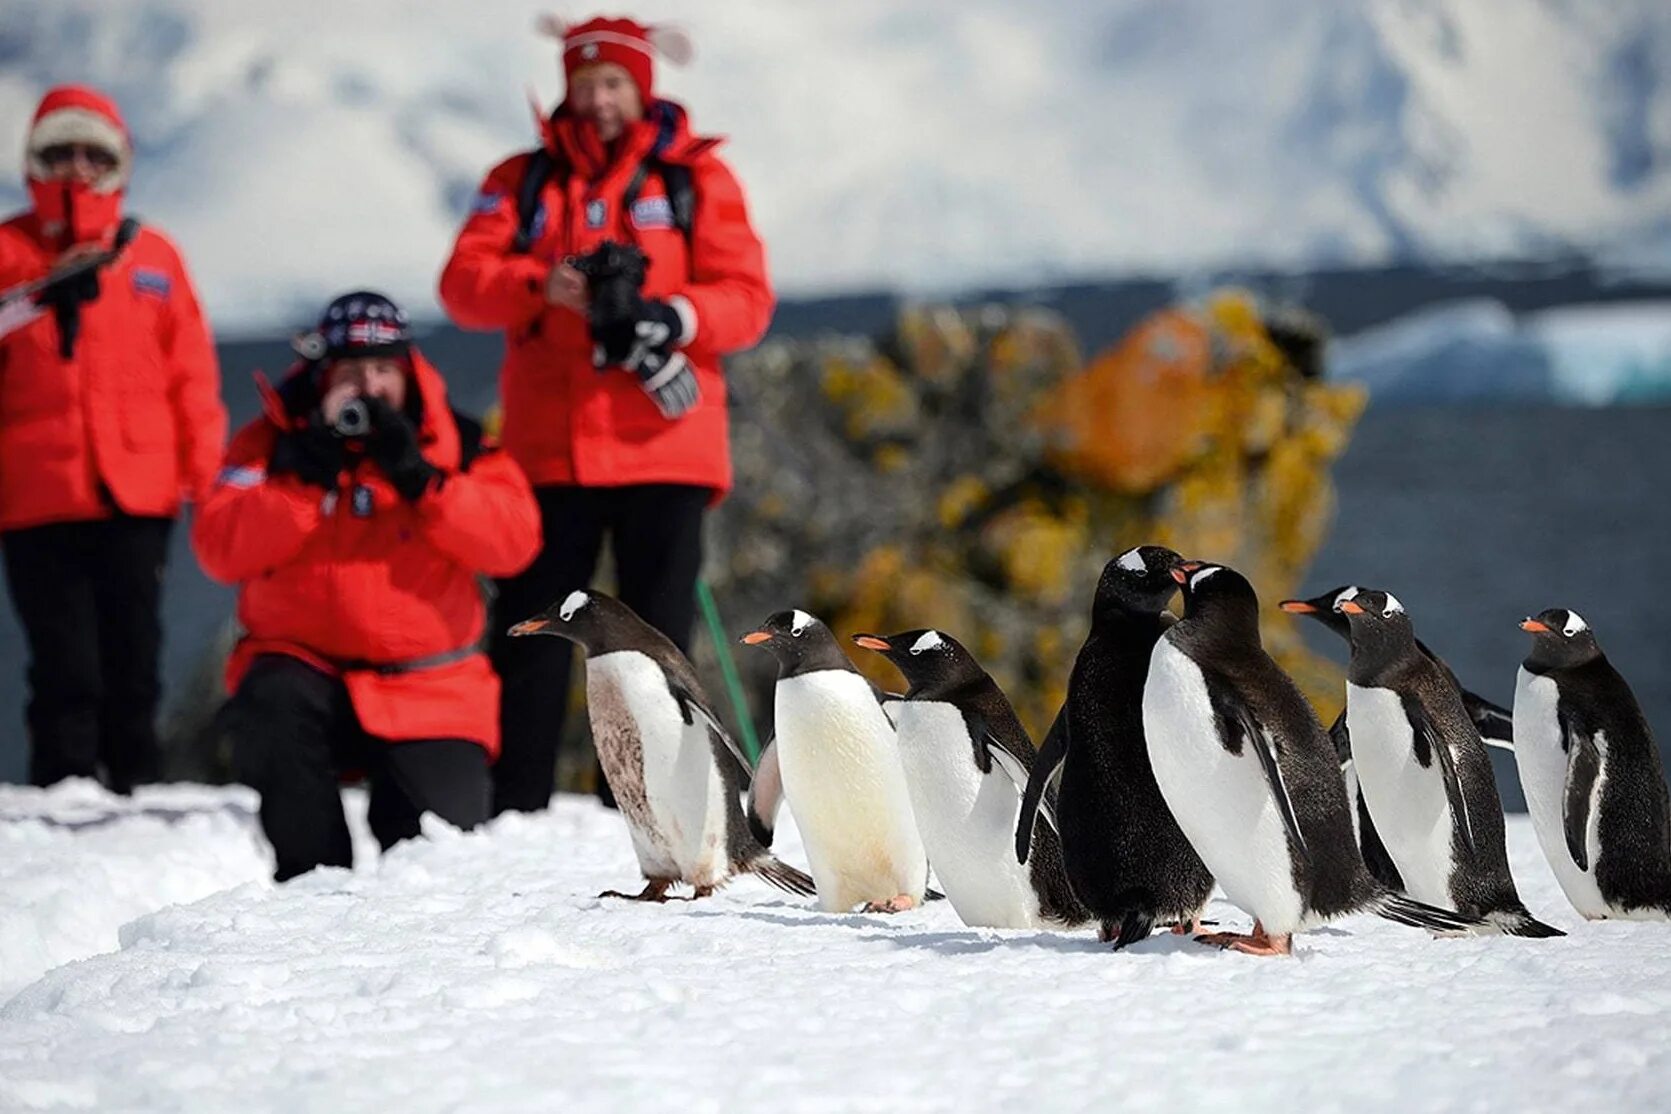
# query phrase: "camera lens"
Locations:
[[353, 420]]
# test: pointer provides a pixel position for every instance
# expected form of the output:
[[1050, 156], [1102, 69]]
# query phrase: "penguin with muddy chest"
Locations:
[[674, 770], [841, 774], [1252, 777], [1127, 859], [1594, 781], [1424, 771], [964, 752]]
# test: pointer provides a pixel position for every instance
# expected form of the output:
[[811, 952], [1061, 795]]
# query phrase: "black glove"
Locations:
[[313, 454], [393, 447], [645, 344]]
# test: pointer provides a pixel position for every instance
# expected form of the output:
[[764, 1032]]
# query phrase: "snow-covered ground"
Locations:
[[480, 973]]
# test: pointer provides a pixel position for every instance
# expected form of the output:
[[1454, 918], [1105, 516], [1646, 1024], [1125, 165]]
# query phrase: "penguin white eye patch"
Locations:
[[1393, 607], [1575, 623], [1201, 576], [1131, 561], [574, 602], [930, 640], [799, 623]]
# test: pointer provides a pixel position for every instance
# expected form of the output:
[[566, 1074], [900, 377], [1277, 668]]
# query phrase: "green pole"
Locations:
[[728, 668]]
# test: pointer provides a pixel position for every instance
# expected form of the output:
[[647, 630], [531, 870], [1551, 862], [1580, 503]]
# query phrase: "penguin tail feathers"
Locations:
[[1136, 926], [1417, 914], [1518, 922], [778, 873]]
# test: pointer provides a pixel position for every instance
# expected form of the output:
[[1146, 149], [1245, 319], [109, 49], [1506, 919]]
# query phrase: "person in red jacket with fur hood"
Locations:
[[110, 416], [355, 515], [616, 411]]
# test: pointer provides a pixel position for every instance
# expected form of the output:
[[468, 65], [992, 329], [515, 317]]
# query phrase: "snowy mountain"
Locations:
[[299, 147]]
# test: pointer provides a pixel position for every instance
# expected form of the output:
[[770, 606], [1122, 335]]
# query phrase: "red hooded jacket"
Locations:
[[133, 418], [357, 576], [565, 421]]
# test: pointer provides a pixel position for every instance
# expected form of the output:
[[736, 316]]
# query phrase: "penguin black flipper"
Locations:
[[765, 794], [1583, 769], [1494, 722], [1238, 727], [1049, 760], [690, 706], [1341, 736], [1017, 773], [1429, 737]]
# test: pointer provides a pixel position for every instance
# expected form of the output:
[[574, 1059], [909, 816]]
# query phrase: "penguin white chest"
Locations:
[[844, 784], [1406, 800], [660, 768], [966, 818], [1542, 762], [1220, 800]]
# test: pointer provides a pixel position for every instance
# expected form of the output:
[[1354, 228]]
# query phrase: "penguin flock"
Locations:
[[1183, 759]]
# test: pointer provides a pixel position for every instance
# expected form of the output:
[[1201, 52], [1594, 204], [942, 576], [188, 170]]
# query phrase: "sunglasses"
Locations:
[[63, 154]]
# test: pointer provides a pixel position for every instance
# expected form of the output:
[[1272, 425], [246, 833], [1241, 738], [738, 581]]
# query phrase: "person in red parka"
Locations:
[[618, 412], [110, 417], [355, 516]]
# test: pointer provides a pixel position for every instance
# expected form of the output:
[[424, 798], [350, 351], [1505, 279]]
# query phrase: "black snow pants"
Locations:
[[655, 533], [87, 596], [294, 734]]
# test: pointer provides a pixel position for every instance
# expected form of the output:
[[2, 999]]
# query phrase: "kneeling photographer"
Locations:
[[356, 515]]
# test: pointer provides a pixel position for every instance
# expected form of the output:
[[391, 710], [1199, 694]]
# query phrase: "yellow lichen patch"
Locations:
[[962, 497]]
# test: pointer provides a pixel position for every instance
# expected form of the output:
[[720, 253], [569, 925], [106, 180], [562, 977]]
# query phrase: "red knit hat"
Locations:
[[626, 43]]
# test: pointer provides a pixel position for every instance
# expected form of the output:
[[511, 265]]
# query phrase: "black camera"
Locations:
[[353, 420], [614, 273]]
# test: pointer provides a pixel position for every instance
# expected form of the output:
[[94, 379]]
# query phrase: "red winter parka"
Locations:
[[133, 418], [564, 421], [354, 578]]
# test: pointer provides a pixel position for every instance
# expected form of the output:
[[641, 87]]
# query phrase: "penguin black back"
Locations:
[[1127, 860]]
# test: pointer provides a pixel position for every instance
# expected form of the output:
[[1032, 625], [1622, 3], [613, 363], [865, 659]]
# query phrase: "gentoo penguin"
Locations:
[[963, 750], [841, 772], [1594, 782], [1251, 776], [672, 767], [1127, 860], [1495, 722], [1424, 772]]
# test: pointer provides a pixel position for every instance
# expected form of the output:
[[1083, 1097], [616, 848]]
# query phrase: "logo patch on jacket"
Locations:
[[488, 201], [597, 211], [147, 280], [652, 212], [361, 505]]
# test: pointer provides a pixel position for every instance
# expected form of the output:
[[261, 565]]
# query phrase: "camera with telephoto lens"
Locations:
[[614, 273], [353, 420]]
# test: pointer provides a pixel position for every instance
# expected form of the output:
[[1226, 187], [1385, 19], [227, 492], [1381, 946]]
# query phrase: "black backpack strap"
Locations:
[[681, 194], [541, 166]]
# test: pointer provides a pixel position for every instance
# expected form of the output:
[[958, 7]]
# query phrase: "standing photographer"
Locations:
[[110, 417], [355, 516], [613, 395]]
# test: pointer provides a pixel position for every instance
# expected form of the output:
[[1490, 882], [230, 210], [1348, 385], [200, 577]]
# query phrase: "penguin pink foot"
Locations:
[[653, 891], [897, 904], [1257, 942]]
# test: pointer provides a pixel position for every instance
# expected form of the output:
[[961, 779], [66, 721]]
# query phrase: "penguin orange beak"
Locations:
[[1181, 574], [529, 626], [755, 638], [871, 642], [1351, 607], [1533, 626], [1297, 607]]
